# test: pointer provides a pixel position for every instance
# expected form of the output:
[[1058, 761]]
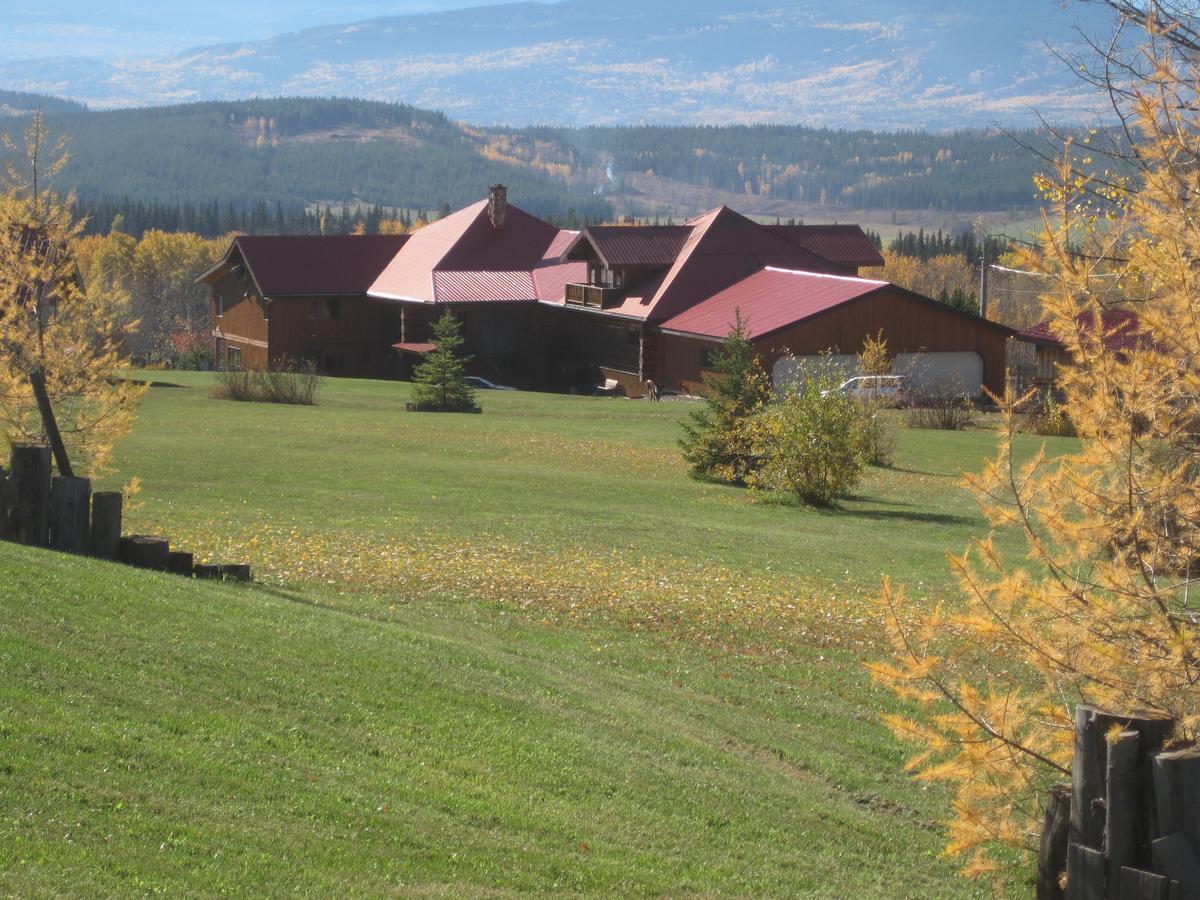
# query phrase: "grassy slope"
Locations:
[[176, 737], [167, 735]]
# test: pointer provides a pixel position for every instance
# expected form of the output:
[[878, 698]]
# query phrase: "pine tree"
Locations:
[[441, 378], [716, 442]]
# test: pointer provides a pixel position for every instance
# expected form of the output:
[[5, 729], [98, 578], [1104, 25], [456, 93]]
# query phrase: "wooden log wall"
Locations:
[[61, 513], [1132, 831]]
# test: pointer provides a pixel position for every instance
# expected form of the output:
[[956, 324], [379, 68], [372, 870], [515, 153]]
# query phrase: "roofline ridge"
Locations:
[[820, 275]]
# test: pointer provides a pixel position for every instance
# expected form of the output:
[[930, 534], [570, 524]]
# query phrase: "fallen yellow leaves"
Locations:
[[715, 604]]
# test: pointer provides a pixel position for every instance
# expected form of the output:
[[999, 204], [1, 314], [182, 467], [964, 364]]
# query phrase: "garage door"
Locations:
[[959, 367], [792, 370]]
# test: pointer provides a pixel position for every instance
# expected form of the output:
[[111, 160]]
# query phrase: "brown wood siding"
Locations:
[[242, 323], [350, 336], [909, 324]]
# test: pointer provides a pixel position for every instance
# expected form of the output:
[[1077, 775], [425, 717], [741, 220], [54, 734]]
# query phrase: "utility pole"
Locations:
[[983, 279]]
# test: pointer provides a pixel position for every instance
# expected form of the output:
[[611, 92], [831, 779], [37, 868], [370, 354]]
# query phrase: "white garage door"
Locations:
[[960, 367], [957, 367], [792, 370]]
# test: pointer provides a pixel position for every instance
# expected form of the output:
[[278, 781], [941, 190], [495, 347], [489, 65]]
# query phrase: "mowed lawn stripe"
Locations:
[[192, 738]]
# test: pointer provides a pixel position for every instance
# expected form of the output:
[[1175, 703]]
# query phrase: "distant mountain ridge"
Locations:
[[926, 64], [196, 165]]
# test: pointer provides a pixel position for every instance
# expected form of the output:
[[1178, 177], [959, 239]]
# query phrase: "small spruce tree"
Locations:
[[441, 379], [717, 442]]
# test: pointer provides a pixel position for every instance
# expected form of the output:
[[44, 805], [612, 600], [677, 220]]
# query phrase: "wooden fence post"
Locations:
[[145, 552], [180, 563], [7, 512], [31, 480], [1177, 797], [70, 505], [1125, 829], [1052, 850], [106, 524], [1112, 820]]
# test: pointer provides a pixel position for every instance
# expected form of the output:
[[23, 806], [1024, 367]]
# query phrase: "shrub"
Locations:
[[717, 442], [286, 382], [1045, 415], [441, 379], [880, 434], [811, 444], [940, 404]]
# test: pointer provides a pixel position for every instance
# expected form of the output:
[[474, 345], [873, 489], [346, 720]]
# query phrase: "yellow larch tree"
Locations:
[[52, 331], [1099, 609]]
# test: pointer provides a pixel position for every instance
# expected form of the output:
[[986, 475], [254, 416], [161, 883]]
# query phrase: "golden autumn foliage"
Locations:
[[1099, 611], [941, 275], [50, 324]]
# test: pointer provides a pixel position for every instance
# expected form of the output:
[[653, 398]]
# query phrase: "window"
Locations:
[[234, 359], [708, 359]]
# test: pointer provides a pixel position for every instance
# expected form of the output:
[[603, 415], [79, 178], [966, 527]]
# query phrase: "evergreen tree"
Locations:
[[441, 379], [716, 442]]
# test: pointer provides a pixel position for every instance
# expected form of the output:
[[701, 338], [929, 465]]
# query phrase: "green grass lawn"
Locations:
[[519, 652]]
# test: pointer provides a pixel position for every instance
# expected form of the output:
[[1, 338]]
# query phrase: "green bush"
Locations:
[[812, 444], [1045, 415], [880, 434], [942, 404]]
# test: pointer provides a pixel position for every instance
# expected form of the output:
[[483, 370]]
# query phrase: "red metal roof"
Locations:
[[419, 349], [1120, 330], [463, 258], [769, 300], [631, 246], [843, 245], [724, 247], [483, 287], [310, 264]]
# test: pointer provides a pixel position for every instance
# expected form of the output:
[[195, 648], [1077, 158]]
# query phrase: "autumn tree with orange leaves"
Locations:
[[59, 342], [1099, 610]]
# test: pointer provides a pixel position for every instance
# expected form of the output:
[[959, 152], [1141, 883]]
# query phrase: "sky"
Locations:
[[124, 29]]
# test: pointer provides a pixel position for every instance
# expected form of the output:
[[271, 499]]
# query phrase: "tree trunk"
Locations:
[[37, 380]]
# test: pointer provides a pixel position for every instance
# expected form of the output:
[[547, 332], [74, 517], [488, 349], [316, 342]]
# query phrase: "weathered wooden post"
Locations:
[[106, 524], [1111, 825], [235, 572], [7, 512], [1052, 850], [31, 482], [70, 506], [144, 552], [180, 563], [1177, 801]]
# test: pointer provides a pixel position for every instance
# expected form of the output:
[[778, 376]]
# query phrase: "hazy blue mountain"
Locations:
[[903, 64]]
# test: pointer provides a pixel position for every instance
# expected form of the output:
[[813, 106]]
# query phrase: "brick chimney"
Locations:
[[497, 205]]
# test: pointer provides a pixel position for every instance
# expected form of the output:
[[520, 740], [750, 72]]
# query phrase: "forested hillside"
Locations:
[[259, 164]]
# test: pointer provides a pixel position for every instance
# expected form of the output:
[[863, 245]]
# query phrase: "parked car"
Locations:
[[872, 387], [482, 384]]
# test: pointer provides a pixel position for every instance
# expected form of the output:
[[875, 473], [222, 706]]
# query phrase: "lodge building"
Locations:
[[547, 308]]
